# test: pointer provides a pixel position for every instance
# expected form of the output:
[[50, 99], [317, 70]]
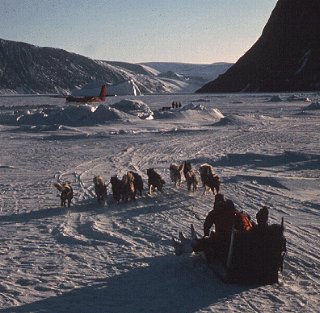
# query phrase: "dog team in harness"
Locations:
[[237, 249]]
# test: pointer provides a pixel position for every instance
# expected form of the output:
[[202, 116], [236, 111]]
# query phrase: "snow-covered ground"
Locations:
[[118, 257]]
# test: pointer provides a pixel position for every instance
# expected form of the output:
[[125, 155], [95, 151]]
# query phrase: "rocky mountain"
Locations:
[[29, 69], [285, 58]]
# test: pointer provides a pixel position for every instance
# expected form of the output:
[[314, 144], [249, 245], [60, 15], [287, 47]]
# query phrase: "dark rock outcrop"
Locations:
[[285, 58]]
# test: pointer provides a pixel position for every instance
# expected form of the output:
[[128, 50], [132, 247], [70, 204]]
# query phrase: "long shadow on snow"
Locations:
[[166, 284], [293, 160], [48, 212], [267, 181], [140, 206], [159, 202]]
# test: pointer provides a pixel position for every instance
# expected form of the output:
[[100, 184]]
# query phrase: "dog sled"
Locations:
[[254, 257]]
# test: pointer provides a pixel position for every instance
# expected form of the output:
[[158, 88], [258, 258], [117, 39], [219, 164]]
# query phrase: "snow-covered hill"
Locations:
[[204, 71], [29, 69]]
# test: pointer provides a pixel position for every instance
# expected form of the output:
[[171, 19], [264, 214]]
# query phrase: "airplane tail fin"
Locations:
[[103, 92]]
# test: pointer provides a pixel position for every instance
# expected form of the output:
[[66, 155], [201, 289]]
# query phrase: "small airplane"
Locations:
[[84, 99]]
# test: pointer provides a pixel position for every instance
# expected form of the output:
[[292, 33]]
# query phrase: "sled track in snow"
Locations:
[[47, 251]]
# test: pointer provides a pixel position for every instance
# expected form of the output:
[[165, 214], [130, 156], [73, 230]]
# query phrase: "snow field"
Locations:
[[118, 257]]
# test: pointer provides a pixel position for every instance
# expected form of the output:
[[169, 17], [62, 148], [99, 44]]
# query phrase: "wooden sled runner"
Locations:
[[254, 257]]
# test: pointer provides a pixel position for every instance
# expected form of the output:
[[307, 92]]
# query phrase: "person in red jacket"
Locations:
[[222, 216], [216, 243]]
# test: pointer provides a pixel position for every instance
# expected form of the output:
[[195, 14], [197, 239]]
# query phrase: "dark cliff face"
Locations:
[[285, 58]]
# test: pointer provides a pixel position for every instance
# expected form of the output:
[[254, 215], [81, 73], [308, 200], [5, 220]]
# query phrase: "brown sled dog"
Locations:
[[128, 189], [123, 189], [209, 178], [137, 182], [100, 188], [186, 168], [192, 180], [176, 173], [116, 187], [66, 193], [154, 181]]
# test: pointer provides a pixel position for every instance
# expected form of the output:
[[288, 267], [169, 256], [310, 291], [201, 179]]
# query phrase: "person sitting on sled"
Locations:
[[216, 243], [225, 218], [262, 221], [222, 216], [262, 217]]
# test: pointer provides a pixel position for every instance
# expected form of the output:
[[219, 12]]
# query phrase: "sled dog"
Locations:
[[192, 180], [176, 173], [137, 181], [186, 168], [116, 187], [154, 181], [66, 193], [127, 184], [209, 178], [100, 188]]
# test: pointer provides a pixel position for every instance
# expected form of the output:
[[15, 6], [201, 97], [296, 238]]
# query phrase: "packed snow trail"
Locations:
[[95, 258]]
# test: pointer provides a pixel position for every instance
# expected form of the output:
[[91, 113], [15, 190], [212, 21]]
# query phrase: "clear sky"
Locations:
[[191, 31]]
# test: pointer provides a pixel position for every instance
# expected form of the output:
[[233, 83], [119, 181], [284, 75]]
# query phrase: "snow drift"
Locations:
[[90, 114]]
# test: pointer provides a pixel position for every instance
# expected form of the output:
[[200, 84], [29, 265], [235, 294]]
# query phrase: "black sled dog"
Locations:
[[155, 181]]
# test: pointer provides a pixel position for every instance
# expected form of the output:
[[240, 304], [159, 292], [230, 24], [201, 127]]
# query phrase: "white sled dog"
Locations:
[[100, 188], [66, 193]]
